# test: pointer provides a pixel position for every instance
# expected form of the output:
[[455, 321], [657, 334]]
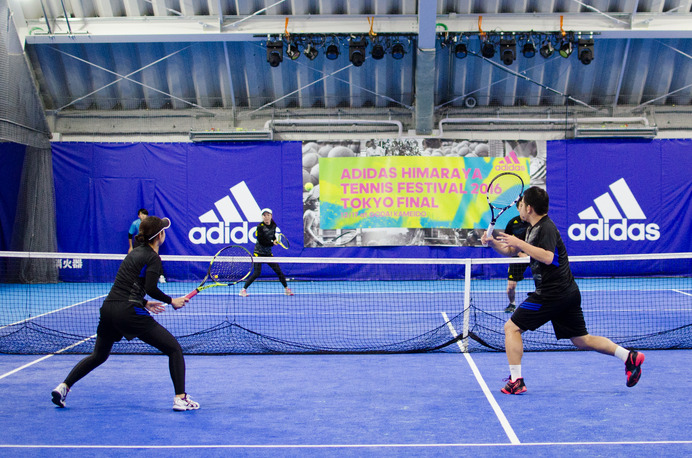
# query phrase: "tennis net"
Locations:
[[51, 304]]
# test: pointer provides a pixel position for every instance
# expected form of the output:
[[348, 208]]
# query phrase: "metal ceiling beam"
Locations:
[[206, 28], [425, 69]]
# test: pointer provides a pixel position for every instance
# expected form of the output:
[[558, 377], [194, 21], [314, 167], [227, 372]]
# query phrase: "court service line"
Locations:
[[484, 386], [14, 371], [682, 292], [336, 446]]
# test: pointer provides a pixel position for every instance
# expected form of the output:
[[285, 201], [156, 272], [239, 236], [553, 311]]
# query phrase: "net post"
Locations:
[[467, 305]]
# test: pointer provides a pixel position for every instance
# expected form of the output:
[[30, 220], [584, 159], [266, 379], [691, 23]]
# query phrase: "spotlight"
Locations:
[[398, 51], [585, 51], [356, 52], [547, 48], [460, 50], [508, 51], [332, 52], [292, 51], [529, 50], [565, 47], [310, 51], [275, 52], [487, 49], [377, 52]]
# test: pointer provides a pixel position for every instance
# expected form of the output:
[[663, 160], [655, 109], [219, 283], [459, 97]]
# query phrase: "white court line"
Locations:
[[26, 320], [489, 396], [333, 446], [682, 292], [7, 374]]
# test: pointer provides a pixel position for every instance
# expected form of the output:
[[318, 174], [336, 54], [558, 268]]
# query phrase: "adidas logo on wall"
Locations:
[[231, 226], [612, 218], [510, 163]]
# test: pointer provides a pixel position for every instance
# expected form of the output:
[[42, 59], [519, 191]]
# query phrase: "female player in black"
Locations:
[[126, 313], [266, 239], [557, 298]]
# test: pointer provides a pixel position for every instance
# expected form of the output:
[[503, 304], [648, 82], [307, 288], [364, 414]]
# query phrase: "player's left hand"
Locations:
[[155, 307], [508, 240]]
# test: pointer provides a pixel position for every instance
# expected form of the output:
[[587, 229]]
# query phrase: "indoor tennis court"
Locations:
[[323, 226]]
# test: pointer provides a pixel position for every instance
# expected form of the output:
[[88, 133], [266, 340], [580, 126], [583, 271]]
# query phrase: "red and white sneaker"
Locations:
[[633, 367], [243, 292], [514, 387], [288, 292]]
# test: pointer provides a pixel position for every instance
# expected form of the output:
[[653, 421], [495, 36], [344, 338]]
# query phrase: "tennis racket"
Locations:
[[504, 191], [343, 239], [230, 265], [282, 240]]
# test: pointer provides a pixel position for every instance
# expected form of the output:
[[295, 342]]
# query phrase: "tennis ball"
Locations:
[[308, 186]]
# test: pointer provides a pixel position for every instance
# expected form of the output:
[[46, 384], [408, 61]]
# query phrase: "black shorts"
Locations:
[[565, 314], [122, 319], [516, 272]]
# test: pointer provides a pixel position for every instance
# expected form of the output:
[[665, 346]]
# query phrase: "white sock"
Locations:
[[622, 353], [515, 372]]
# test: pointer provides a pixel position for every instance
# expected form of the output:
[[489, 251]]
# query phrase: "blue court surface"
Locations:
[[437, 404]]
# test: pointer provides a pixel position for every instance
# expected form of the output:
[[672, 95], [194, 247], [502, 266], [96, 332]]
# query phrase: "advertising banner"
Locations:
[[622, 196], [408, 192]]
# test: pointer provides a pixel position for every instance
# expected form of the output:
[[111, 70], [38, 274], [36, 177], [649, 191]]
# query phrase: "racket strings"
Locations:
[[504, 191], [230, 265]]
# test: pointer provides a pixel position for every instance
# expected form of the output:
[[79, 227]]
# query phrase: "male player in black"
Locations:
[[515, 273], [557, 298]]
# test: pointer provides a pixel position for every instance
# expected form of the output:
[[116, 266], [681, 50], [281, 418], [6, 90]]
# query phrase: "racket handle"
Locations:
[[192, 294], [489, 232]]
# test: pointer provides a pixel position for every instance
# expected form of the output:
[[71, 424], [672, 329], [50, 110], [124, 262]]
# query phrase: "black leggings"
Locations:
[[258, 270], [157, 337]]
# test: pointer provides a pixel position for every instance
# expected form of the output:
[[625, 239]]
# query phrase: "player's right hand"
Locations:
[[179, 302]]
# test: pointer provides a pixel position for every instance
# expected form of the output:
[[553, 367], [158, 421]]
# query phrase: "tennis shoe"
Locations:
[[633, 367], [59, 394], [184, 403], [243, 292], [514, 387], [510, 308], [162, 279], [288, 292]]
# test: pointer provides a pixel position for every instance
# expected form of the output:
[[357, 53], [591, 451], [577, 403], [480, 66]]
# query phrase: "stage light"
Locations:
[[310, 51], [508, 51], [377, 51], [332, 52], [292, 51], [460, 50], [275, 52], [356, 51], [487, 49], [529, 50], [398, 51], [565, 47], [585, 51], [547, 48]]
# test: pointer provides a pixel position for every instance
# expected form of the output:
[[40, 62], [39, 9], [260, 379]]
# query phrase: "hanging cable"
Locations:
[[371, 20]]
